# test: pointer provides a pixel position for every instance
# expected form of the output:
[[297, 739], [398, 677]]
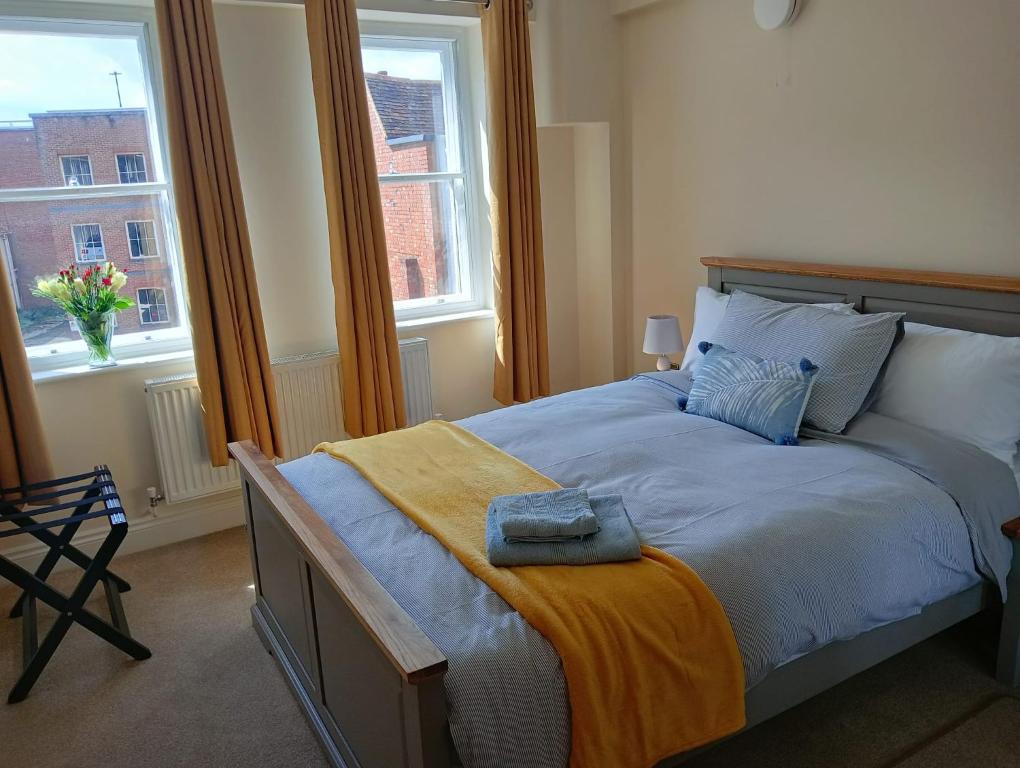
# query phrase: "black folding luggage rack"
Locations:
[[26, 508]]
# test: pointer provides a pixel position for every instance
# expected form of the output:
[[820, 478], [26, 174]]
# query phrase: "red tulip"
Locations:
[[107, 281]]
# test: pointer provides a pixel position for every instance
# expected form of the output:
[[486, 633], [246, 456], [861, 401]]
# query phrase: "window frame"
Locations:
[[77, 248], [63, 171], [8, 259], [462, 68], [119, 21], [138, 302], [145, 167], [155, 238]]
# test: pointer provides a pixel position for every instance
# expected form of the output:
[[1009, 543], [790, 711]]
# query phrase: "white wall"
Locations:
[[596, 285], [268, 78], [870, 132], [556, 160], [576, 48], [576, 213]]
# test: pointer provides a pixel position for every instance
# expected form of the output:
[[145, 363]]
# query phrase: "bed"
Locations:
[[396, 654]]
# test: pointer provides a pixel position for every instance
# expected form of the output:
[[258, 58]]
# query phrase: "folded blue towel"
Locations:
[[616, 540], [560, 515]]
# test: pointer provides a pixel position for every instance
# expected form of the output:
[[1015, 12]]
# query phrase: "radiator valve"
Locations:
[[154, 497]]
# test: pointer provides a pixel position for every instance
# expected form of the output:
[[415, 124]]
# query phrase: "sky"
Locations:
[[44, 72], [417, 65]]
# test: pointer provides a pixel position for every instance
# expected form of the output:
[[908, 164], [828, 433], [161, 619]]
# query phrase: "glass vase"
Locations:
[[97, 331]]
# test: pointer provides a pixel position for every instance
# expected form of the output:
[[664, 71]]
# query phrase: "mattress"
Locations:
[[802, 546]]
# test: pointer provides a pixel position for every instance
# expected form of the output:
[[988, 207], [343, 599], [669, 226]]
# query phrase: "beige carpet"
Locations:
[[990, 738], [211, 695]]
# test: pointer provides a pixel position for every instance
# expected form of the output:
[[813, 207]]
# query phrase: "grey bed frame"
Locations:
[[371, 683]]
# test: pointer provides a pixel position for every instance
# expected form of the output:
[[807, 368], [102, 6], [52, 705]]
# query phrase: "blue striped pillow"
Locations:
[[850, 350], [765, 397]]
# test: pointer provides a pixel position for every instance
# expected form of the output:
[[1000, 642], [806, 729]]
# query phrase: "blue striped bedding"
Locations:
[[801, 545]]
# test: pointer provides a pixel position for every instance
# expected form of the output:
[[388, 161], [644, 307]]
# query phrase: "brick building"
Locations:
[[84, 148], [408, 129]]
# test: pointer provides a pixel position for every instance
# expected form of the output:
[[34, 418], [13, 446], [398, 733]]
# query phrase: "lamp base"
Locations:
[[663, 363]]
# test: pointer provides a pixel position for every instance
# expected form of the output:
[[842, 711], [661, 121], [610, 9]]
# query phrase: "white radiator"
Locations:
[[309, 397]]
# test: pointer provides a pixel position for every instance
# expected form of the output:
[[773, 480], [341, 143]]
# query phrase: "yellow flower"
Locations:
[[79, 283], [118, 280], [60, 290], [43, 286]]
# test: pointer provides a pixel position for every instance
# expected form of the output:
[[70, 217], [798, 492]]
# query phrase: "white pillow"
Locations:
[[965, 385], [709, 308]]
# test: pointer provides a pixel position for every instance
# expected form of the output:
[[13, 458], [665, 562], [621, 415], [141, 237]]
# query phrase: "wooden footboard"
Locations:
[[368, 679]]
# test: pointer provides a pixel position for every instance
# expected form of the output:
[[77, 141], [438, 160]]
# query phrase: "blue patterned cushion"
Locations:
[[762, 396], [850, 350]]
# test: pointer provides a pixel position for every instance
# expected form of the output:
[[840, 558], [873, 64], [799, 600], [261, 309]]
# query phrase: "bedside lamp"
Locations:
[[663, 338]]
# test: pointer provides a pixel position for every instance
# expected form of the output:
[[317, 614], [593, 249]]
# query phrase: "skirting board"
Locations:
[[170, 525]]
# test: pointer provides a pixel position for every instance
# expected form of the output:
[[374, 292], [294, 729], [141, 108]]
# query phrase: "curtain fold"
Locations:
[[522, 343], [24, 457], [231, 357], [373, 396]]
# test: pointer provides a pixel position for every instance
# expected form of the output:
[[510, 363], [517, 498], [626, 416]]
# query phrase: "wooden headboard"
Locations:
[[980, 303]]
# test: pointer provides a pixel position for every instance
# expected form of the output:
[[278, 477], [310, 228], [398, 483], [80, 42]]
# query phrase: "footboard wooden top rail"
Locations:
[[395, 633]]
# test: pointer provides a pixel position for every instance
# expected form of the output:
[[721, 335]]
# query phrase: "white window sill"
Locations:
[[132, 363], [454, 317]]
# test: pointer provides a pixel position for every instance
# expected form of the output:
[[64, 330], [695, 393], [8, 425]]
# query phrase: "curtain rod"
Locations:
[[485, 3]]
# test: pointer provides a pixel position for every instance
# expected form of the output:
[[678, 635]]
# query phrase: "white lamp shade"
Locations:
[[663, 335]]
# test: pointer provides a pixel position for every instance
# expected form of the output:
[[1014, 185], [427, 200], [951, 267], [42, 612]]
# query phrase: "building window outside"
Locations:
[[426, 159], [131, 168], [142, 239], [77, 170], [88, 243], [152, 308]]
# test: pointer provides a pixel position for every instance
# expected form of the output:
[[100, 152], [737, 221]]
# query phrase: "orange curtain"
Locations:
[[373, 393], [23, 454], [522, 342], [234, 374]]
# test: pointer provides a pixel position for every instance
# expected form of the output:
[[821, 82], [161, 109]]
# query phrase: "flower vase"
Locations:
[[97, 331]]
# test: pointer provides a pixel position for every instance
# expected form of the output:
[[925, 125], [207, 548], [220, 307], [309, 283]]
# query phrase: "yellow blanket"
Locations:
[[651, 665]]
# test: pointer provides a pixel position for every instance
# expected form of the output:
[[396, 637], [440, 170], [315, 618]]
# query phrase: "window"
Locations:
[[88, 242], [5, 256], [77, 170], [426, 156], [131, 168], [81, 165], [142, 239], [152, 307]]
